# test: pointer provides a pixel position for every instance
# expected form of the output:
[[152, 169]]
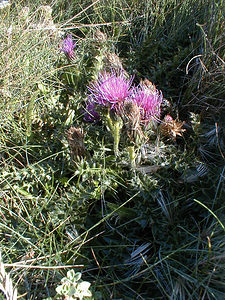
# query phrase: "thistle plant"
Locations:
[[68, 47], [104, 58], [100, 39], [109, 93], [132, 106], [72, 74]]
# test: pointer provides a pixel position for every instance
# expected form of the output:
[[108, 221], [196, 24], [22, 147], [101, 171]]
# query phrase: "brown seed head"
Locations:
[[172, 128], [75, 137]]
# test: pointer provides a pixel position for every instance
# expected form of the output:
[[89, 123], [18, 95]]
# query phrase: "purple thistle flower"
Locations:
[[149, 102], [68, 47], [111, 89], [91, 115]]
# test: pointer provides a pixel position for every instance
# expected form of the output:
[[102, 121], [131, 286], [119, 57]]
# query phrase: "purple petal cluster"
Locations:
[[111, 89], [68, 47], [91, 115], [114, 89], [149, 103]]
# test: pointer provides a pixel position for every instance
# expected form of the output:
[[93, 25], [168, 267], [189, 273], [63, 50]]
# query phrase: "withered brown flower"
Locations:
[[172, 128], [75, 137], [148, 84], [131, 116]]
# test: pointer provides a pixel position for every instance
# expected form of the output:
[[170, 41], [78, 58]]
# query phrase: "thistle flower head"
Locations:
[[68, 47], [149, 102], [168, 119], [111, 89], [91, 115]]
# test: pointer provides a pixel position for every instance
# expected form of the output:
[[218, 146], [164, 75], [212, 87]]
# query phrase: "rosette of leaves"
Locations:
[[72, 287]]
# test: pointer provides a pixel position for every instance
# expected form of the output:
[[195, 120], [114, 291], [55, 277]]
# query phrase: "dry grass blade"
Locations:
[[6, 286]]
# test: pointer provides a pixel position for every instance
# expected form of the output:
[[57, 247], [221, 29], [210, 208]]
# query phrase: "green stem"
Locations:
[[114, 128], [116, 136], [131, 152]]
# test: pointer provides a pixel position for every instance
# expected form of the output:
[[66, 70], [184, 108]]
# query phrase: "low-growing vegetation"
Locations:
[[112, 149]]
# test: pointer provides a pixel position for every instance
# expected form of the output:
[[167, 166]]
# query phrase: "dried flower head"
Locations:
[[112, 61], [111, 89], [172, 128], [68, 47], [148, 84], [149, 100], [131, 116], [75, 137]]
